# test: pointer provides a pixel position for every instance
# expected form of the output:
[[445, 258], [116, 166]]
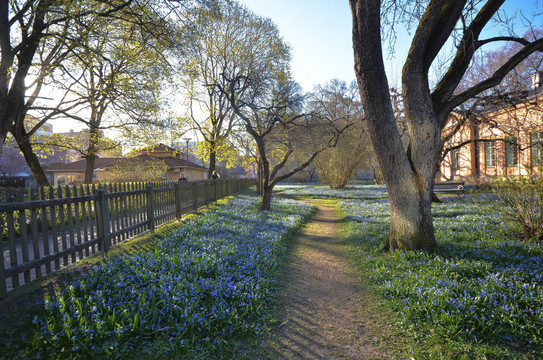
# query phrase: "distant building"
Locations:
[[106, 169], [507, 140], [14, 166]]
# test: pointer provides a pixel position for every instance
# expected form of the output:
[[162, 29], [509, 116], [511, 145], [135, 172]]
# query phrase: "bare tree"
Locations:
[[336, 100], [409, 175], [272, 116]]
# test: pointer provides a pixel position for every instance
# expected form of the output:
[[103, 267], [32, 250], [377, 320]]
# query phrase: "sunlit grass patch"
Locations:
[[211, 282], [323, 191]]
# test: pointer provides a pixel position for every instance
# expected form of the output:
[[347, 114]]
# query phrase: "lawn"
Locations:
[[209, 285], [478, 296], [212, 284]]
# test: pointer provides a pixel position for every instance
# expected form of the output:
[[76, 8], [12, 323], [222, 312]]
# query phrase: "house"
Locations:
[[161, 162], [173, 158], [501, 141], [14, 170], [73, 173]]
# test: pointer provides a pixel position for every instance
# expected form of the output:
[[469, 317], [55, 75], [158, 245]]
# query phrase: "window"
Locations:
[[454, 159], [490, 153], [511, 152], [537, 148]]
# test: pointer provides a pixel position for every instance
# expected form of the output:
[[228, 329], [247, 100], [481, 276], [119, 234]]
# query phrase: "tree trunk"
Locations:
[[266, 198], [32, 161], [258, 180], [212, 160], [411, 224], [89, 168], [92, 151]]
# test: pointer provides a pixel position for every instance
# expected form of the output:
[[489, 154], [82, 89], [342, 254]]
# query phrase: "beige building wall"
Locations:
[[518, 121]]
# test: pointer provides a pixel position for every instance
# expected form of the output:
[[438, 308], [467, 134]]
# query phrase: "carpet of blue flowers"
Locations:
[[481, 286], [209, 283]]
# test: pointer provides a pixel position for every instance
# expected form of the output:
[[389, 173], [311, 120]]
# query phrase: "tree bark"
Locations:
[[411, 225], [89, 167], [266, 187], [92, 151], [212, 159], [259, 179], [266, 198], [32, 161]]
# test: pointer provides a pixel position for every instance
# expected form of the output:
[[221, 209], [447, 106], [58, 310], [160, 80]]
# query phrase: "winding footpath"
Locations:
[[324, 313]]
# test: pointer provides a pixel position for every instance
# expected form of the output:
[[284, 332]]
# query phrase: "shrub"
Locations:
[[523, 200]]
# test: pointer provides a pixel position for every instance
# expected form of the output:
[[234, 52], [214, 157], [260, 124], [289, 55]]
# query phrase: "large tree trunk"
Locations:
[[266, 198], [212, 161], [92, 151], [411, 224], [32, 160]]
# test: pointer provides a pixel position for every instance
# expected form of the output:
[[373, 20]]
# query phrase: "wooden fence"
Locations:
[[45, 229]]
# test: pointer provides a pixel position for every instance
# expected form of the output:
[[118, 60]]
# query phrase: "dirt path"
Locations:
[[324, 312]]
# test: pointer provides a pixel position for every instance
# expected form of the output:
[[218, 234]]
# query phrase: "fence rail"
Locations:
[[45, 229]]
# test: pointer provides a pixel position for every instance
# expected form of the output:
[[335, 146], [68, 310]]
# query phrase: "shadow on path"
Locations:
[[323, 304]]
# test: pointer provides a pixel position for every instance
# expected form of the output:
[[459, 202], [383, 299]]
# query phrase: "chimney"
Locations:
[[536, 80]]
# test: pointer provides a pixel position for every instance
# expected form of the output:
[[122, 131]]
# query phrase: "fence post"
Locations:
[[102, 220], [151, 208], [3, 288], [195, 196], [207, 192], [177, 201]]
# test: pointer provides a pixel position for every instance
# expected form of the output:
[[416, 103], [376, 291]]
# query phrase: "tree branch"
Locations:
[[496, 78]]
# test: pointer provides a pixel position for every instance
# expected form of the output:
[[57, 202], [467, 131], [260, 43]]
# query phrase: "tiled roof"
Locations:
[[159, 148], [177, 162]]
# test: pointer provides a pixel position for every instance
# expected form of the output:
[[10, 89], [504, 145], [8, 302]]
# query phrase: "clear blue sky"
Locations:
[[319, 32]]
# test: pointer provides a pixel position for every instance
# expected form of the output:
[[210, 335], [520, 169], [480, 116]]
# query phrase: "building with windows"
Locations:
[[503, 141], [160, 162]]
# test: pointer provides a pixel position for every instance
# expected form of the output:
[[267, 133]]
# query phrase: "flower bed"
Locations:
[[481, 289], [211, 282], [352, 191]]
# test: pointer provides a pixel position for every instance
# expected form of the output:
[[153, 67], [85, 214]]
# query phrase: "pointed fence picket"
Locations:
[[45, 229]]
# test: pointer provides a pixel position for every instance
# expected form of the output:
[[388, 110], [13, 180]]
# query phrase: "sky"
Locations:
[[319, 33]]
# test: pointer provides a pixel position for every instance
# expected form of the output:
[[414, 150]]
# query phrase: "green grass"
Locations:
[[478, 296]]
